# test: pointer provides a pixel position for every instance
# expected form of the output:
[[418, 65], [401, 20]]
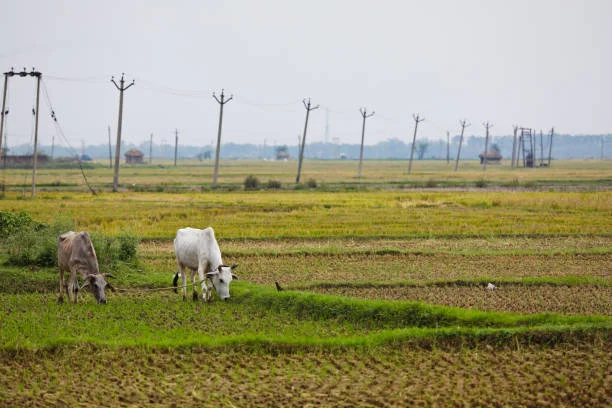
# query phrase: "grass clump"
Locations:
[[274, 185], [251, 183]]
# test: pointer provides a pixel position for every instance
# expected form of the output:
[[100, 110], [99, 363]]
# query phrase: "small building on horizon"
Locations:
[[492, 155], [134, 156]]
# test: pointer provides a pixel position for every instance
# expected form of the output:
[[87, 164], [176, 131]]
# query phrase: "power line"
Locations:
[[60, 131]]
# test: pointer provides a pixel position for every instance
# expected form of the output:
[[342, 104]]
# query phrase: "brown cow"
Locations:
[[76, 254]]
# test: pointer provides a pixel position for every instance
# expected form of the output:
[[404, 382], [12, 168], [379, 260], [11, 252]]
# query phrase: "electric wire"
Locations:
[[60, 131]]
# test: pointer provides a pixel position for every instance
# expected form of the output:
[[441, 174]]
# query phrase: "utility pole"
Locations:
[[541, 149], [6, 75], [175, 145], [417, 120], [151, 150], [24, 73], [308, 109], [121, 89], [464, 124], [514, 158], [35, 158], [552, 131], [364, 115], [447, 147], [485, 157], [110, 153], [221, 102]]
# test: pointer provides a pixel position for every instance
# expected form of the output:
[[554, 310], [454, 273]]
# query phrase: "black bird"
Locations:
[[278, 287]]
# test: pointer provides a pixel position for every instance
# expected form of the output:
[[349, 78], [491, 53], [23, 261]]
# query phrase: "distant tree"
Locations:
[[204, 155], [282, 152], [421, 148]]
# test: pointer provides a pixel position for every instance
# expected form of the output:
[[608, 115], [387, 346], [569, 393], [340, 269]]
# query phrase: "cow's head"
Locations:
[[97, 283], [221, 278]]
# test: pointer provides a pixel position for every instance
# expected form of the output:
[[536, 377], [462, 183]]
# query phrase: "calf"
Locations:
[[198, 250], [76, 254]]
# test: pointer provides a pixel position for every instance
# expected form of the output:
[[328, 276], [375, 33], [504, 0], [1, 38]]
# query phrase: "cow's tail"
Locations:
[[175, 282]]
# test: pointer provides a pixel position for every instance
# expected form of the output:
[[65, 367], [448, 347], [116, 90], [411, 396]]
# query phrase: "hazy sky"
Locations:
[[534, 63]]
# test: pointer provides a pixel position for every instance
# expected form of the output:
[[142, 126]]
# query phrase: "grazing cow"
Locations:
[[198, 250], [76, 254]]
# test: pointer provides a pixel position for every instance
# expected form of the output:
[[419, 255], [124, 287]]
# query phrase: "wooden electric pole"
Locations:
[[552, 132], [417, 120], [38, 76], [514, 158], [485, 157], [221, 102], [464, 124], [364, 115], [6, 75], [175, 145], [110, 153], [447, 147], [308, 109], [35, 158], [121, 89]]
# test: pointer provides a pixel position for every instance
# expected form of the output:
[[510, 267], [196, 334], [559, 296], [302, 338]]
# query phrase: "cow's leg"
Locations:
[[201, 274], [73, 288], [62, 287], [193, 283], [181, 271]]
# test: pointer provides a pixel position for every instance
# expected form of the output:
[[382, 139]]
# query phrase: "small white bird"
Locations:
[[491, 286]]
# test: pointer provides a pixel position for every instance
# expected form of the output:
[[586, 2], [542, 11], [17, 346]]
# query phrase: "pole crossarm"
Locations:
[[122, 81], [365, 114], [223, 101]]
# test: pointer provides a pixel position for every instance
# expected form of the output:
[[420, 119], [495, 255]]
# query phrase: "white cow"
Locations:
[[198, 250]]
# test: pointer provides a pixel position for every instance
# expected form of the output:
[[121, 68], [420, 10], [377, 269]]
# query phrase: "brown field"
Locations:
[[527, 376]]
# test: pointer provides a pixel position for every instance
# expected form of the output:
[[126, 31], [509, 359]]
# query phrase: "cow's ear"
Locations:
[[234, 277], [234, 266], [211, 274]]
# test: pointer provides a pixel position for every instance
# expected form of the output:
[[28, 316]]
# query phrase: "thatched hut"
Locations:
[[134, 156], [492, 155]]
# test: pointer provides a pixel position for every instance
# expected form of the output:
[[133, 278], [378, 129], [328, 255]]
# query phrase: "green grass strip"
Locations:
[[394, 314]]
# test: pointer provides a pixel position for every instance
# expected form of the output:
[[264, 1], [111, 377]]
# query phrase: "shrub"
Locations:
[[112, 251], [251, 183], [312, 183], [274, 185], [35, 243], [431, 183], [482, 183], [11, 222]]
